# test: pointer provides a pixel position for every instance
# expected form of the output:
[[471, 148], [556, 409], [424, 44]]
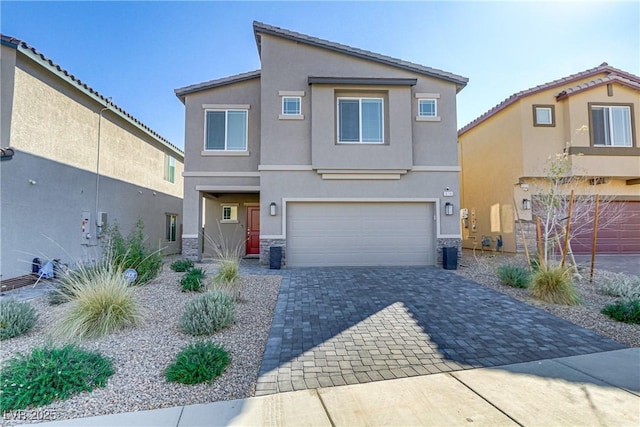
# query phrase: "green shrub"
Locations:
[[181, 265], [516, 276], [132, 252], [627, 311], [199, 362], [208, 313], [192, 280], [554, 284], [534, 260], [619, 284], [16, 318], [101, 301], [49, 374]]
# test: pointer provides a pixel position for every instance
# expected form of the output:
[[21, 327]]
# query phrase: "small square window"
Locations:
[[427, 108], [291, 105], [543, 115], [229, 214]]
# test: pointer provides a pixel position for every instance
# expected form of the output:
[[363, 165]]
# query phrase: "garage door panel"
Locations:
[[619, 236], [357, 234]]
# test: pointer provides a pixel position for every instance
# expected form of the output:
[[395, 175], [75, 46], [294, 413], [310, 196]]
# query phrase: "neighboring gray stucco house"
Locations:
[[339, 155], [77, 163]]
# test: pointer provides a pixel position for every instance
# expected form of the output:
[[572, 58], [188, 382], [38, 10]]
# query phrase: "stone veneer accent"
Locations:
[[190, 248], [265, 244], [441, 243], [530, 234]]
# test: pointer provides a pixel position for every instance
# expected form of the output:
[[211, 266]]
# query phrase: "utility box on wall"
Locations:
[[86, 228]]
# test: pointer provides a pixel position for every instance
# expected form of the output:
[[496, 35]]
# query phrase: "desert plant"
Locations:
[[625, 310], [101, 301], [619, 284], [516, 276], [16, 318], [86, 273], [208, 313], [132, 252], [181, 265], [227, 279], [553, 284], [199, 362], [48, 374], [192, 280]]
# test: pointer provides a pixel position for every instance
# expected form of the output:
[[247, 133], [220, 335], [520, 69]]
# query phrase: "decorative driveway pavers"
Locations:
[[336, 326]]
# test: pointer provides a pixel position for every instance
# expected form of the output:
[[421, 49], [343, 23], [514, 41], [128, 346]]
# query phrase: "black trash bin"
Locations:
[[450, 258], [275, 257]]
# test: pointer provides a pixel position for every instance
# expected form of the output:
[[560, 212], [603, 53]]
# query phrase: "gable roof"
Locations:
[[613, 75], [261, 28], [48, 64], [183, 91]]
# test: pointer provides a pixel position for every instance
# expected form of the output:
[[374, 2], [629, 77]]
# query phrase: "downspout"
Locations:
[[99, 224]]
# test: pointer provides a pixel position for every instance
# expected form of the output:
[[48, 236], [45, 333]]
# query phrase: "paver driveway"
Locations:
[[336, 326]]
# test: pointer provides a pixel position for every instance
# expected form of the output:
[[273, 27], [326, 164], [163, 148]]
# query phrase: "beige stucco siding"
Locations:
[[51, 119]]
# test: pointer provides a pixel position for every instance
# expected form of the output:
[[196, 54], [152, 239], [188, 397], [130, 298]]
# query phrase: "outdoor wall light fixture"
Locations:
[[33, 182], [448, 208], [526, 204], [272, 209]]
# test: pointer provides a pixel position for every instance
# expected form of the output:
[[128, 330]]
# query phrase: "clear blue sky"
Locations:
[[139, 52]]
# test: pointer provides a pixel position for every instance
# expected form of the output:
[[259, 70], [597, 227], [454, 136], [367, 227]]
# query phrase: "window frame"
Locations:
[[551, 108], [359, 99], [169, 168], [288, 97], [233, 213], [171, 227], [610, 106], [435, 108], [226, 129]]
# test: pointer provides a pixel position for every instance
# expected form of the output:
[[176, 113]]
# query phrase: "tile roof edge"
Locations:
[[47, 63], [259, 27], [602, 68], [210, 84], [612, 78]]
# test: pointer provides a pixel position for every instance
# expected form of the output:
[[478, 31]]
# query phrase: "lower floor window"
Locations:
[[171, 226], [229, 213]]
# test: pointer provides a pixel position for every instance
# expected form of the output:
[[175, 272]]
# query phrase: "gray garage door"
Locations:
[[360, 234]]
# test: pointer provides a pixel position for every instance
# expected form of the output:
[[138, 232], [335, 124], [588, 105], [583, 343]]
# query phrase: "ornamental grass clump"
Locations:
[[227, 279], [208, 313], [16, 318], [48, 374], [181, 265], [192, 280], [624, 310], [515, 276], [554, 284], [100, 302], [199, 362]]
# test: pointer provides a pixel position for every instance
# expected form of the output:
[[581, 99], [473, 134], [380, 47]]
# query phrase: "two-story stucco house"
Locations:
[[78, 163], [338, 155], [592, 117]]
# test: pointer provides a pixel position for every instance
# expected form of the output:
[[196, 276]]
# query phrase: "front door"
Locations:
[[253, 230]]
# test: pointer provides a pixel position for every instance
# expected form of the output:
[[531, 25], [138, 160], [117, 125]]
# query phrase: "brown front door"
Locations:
[[253, 230]]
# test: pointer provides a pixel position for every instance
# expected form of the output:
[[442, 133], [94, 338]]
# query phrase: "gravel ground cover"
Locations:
[[481, 268], [141, 354]]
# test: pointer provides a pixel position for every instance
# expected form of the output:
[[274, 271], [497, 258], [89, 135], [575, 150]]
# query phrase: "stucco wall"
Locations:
[[7, 71], [44, 219]]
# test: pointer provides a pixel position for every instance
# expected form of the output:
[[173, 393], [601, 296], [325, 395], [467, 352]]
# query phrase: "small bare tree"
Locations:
[[552, 200]]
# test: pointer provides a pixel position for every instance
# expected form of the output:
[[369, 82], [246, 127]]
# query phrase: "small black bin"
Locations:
[[275, 257], [450, 258]]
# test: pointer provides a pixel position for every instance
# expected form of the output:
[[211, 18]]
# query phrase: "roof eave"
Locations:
[[182, 92]]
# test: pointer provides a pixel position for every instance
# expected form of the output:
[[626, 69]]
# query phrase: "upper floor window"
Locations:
[[226, 130], [291, 105], [169, 168], [611, 125], [544, 115], [360, 120], [427, 108]]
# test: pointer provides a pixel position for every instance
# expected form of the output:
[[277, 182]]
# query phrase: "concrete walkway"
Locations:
[[340, 326], [600, 389]]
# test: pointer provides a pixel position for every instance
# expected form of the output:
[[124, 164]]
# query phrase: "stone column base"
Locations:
[[190, 248], [265, 245]]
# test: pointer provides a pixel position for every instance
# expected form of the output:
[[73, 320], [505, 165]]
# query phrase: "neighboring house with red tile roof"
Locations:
[[592, 116], [75, 162]]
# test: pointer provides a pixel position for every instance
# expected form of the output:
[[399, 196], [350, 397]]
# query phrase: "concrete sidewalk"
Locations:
[[593, 389]]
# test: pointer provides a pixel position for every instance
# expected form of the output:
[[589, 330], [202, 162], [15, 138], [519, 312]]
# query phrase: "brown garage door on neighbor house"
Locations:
[[621, 236], [360, 234]]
